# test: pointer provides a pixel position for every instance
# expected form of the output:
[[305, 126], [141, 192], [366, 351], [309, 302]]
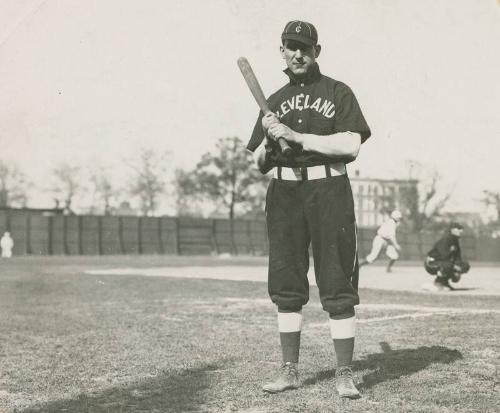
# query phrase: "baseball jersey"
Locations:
[[388, 230], [447, 248], [316, 104]]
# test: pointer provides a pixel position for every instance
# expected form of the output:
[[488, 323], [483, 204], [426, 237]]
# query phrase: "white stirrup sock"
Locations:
[[289, 322], [345, 328]]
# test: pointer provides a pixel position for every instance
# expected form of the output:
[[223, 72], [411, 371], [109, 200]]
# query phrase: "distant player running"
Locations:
[[385, 239], [444, 260]]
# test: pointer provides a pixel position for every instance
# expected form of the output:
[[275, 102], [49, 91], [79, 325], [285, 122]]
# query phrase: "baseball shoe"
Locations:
[[438, 286], [435, 287], [432, 287], [443, 285], [287, 379], [345, 384]]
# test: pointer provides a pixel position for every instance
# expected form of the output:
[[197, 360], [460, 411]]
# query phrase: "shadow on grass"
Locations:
[[167, 392], [392, 364]]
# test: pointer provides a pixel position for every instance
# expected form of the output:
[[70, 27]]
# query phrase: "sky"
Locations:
[[93, 82]]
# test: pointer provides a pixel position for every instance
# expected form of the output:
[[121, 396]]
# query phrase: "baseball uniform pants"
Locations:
[[378, 245], [320, 213]]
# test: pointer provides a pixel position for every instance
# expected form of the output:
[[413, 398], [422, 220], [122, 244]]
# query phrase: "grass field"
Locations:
[[75, 342]]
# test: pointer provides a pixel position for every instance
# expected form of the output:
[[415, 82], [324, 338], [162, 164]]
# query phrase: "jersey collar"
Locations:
[[310, 77]]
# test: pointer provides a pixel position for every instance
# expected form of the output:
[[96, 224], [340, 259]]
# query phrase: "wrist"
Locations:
[[268, 144], [298, 138]]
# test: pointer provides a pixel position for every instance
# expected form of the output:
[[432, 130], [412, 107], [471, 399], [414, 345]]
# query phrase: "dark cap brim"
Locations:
[[299, 38]]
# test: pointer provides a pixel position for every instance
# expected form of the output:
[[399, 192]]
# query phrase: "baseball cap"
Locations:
[[300, 31], [456, 225], [397, 215]]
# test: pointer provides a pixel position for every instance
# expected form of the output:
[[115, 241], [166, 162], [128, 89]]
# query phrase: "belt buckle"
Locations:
[[303, 173], [297, 172]]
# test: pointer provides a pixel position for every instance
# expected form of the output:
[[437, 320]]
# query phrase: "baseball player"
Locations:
[[444, 260], [6, 244], [309, 201], [385, 239]]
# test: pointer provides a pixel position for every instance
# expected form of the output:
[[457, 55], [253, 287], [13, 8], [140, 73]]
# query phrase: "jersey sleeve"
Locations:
[[348, 115], [257, 134]]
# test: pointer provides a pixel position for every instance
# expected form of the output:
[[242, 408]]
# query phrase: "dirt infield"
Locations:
[[480, 280]]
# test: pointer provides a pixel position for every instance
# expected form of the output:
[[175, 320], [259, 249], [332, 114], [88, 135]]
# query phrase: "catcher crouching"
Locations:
[[444, 260]]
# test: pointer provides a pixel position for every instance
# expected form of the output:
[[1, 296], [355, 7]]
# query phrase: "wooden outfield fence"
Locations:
[[36, 234], [114, 235]]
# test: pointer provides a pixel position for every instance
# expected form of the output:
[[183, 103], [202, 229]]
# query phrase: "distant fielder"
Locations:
[[6, 244], [444, 260], [385, 239]]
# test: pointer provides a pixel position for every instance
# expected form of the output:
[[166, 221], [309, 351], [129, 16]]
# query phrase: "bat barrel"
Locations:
[[254, 86]]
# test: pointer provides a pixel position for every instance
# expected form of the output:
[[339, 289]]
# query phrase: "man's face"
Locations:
[[299, 57], [457, 231]]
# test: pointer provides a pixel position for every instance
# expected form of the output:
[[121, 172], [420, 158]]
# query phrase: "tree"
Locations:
[[148, 182], [424, 202], [13, 186], [227, 177], [103, 191], [187, 203], [67, 185]]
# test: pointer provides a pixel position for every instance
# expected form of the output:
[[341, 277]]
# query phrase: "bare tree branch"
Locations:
[[149, 180], [424, 204], [13, 186], [67, 184], [103, 190]]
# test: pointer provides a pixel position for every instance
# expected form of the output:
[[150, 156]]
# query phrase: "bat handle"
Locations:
[[285, 148]]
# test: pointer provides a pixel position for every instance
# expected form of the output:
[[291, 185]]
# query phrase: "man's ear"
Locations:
[[282, 51], [317, 50]]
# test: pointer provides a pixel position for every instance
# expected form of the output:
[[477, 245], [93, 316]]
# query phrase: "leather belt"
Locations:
[[310, 172]]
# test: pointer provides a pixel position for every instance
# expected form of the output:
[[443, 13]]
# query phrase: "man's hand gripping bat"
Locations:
[[254, 86]]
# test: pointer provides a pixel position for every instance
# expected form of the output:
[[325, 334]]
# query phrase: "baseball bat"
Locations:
[[254, 86]]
